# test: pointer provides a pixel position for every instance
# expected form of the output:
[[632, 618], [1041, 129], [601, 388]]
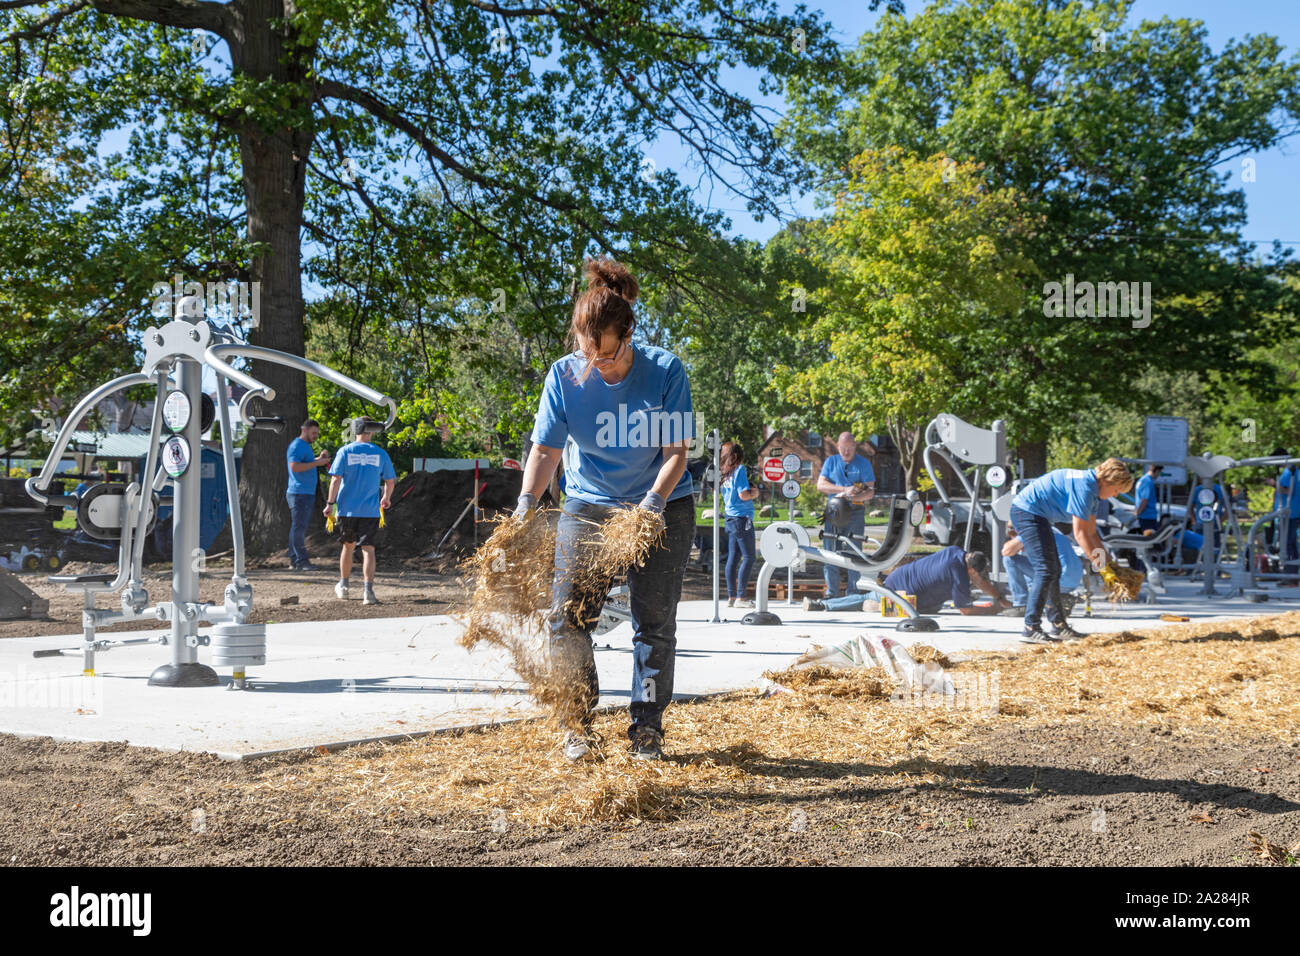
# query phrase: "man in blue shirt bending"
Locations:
[[301, 493], [1066, 495]]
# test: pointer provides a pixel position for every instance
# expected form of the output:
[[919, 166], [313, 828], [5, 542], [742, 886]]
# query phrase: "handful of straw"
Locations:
[[512, 575], [1122, 584]]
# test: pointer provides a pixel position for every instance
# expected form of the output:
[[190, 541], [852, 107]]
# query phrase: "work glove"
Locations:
[[525, 508], [653, 502], [331, 518]]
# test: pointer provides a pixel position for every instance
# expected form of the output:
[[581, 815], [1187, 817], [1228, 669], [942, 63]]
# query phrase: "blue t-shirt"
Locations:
[[936, 578], [838, 472], [1146, 489], [732, 486], [1285, 497], [618, 431], [1060, 495], [364, 467], [301, 482]]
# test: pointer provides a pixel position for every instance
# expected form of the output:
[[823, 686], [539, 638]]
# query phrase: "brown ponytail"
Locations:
[[606, 304]]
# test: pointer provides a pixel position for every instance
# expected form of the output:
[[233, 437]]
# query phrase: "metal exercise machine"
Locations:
[[175, 356], [952, 441], [785, 544]]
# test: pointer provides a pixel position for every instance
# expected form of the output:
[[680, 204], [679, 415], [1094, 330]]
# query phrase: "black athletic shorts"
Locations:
[[360, 531]]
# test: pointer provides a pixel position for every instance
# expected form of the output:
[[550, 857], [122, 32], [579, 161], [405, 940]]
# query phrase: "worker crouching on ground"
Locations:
[[630, 423], [1064, 495], [1020, 572], [361, 486], [932, 580]]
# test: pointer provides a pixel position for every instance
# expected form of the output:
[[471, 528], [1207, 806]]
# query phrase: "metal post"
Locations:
[[185, 669], [716, 437], [789, 579]]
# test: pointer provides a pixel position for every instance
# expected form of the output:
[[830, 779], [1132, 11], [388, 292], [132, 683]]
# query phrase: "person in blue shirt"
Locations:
[[361, 484], [1145, 513], [1286, 502], [1145, 498], [738, 506], [627, 409], [1064, 495], [850, 476], [1020, 572], [301, 493], [934, 579]]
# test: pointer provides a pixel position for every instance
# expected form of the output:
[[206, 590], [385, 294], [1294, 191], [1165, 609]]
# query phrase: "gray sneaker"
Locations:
[[647, 744], [812, 604], [1036, 635], [1064, 632], [577, 746], [1012, 611], [341, 591], [368, 596]]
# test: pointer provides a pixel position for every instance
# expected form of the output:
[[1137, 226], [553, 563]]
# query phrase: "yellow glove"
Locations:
[[1108, 574], [381, 517], [331, 519]]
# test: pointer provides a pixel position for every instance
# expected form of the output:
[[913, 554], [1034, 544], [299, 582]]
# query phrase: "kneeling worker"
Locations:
[[359, 471], [1020, 572], [932, 580]]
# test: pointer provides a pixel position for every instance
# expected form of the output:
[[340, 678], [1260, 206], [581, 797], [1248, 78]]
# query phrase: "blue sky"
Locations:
[[1273, 200]]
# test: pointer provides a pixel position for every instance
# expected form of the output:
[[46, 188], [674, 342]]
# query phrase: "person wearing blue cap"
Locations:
[[361, 485]]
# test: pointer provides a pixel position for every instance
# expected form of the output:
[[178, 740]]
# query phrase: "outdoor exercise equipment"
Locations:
[[1244, 567], [175, 356], [952, 441], [785, 544]]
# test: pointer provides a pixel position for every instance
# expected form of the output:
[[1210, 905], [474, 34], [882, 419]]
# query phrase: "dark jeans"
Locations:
[[740, 555], [830, 573], [655, 588], [1144, 524], [1040, 548], [300, 508]]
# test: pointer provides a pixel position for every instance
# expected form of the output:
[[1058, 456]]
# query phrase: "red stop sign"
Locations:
[[773, 470]]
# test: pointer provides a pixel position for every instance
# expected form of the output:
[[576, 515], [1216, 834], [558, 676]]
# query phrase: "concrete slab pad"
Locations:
[[328, 684]]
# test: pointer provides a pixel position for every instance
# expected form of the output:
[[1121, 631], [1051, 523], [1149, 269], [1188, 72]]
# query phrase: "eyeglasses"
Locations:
[[601, 361]]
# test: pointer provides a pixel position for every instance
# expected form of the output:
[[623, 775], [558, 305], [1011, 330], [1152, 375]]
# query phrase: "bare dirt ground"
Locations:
[[1178, 746]]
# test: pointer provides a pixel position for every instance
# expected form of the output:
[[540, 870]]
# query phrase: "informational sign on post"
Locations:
[[1166, 440], [790, 488]]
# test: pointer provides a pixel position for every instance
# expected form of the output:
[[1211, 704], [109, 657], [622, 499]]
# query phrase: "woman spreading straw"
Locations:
[[629, 424]]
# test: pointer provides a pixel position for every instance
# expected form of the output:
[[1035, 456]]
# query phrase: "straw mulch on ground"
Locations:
[[511, 579], [742, 754]]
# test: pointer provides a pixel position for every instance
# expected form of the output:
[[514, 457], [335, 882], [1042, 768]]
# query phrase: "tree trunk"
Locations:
[[1034, 454], [274, 163]]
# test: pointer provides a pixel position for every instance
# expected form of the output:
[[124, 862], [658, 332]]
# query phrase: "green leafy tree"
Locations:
[[922, 258], [1116, 135], [483, 144]]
